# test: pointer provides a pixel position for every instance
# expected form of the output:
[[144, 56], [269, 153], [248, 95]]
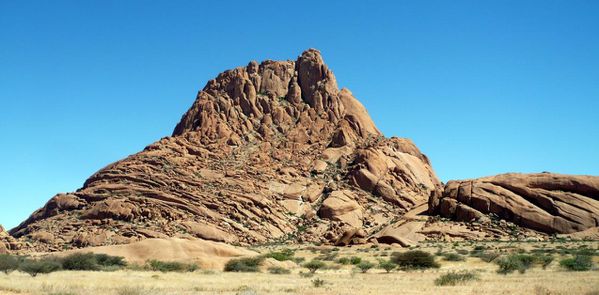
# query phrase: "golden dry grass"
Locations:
[[343, 280]]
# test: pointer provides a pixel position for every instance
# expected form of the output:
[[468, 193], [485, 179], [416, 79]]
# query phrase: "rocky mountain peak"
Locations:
[[268, 151], [298, 100]]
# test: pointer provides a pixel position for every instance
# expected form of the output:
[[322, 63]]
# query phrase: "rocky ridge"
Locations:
[[545, 202]]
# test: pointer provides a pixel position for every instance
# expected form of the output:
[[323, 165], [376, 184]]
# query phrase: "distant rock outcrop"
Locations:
[[272, 151], [546, 202]]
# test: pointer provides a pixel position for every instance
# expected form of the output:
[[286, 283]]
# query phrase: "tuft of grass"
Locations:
[[511, 263], [355, 260], [283, 255], [577, 263], [171, 266], [249, 264], [455, 278], [277, 270], [318, 282], [453, 257]]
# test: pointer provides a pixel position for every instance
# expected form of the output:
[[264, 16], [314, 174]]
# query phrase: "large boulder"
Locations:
[[546, 202]]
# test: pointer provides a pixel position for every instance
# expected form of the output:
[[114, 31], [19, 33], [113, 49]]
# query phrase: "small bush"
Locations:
[[110, 261], [511, 263], [80, 261], [343, 260], [318, 282], [91, 261], [285, 254], [8, 263], [577, 263], [314, 265], [414, 259], [42, 266], [387, 265], [170, 266], [355, 260], [277, 270], [454, 278], [365, 266], [453, 257], [249, 264]]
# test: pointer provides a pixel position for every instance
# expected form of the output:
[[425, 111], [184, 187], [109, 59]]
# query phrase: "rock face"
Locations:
[[269, 151], [550, 203]]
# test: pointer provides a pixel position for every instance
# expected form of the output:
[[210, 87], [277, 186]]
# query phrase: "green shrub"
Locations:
[[91, 261], [283, 255], [387, 265], [365, 266], [277, 270], [314, 265], [355, 260], [249, 264], [453, 257], [414, 259], [41, 266], [454, 278], [8, 263], [343, 260], [80, 261], [170, 266], [511, 263], [577, 263], [110, 261]]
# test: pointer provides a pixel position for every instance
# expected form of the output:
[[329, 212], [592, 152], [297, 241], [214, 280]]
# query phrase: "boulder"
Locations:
[[341, 206]]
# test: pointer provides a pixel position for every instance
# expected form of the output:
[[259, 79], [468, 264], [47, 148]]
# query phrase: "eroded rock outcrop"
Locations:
[[546, 202], [269, 151]]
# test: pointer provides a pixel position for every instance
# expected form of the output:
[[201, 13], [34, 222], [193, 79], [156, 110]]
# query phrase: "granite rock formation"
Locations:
[[272, 151], [545, 202]]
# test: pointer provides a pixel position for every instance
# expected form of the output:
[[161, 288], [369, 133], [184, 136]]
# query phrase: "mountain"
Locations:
[[275, 152], [267, 152]]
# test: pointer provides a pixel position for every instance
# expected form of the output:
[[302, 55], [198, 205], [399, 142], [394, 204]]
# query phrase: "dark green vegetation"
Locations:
[[171, 266], [91, 261], [365, 266], [314, 265], [8, 263], [577, 263], [455, 278], [414, 259], [250, 264], [277, 270], [42, 266]]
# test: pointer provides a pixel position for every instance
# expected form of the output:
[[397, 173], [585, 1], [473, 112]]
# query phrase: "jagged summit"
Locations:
[[269, 151], [260, 101]]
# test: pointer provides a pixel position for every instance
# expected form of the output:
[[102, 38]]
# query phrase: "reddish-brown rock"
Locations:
[[265, 151], [546, 202]]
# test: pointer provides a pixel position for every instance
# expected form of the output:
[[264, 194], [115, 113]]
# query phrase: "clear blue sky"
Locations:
[[482, 87]]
